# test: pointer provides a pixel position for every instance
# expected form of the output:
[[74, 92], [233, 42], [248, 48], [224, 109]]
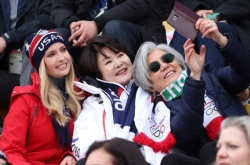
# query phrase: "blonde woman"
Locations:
[[233, 146], [38, 128]]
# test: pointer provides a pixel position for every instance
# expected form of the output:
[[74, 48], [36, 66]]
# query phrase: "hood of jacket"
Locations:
[[33, 88]]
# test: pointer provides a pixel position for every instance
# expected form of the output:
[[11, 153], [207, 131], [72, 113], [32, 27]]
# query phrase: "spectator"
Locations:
[[130, 21], [231, 149], [199, 102], [234, 141], [116, 151], [18, 19], [38, 128], [110, 111], [231, 16]]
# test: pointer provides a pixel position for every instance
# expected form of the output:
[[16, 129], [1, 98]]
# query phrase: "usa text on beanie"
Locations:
[[37, 44]]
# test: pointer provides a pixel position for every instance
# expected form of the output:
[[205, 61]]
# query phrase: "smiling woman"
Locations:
[[114, 67], [44, 111], [109, 111], [57, 60], [159, 81], [160, 71]]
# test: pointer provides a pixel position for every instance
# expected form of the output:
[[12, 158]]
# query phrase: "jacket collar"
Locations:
[[114, 85], [33, 88], [207, 66]]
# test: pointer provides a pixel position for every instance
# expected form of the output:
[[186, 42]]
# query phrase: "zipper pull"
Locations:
[[36, 110]]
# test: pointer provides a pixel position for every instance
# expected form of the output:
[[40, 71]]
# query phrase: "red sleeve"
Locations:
[[67, 154], [14, 132]]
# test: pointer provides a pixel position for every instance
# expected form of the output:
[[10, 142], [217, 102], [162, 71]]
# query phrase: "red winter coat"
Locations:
[[28, 136]]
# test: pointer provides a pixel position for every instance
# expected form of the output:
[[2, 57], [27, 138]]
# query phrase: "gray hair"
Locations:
[[242, 122], [141, 68]]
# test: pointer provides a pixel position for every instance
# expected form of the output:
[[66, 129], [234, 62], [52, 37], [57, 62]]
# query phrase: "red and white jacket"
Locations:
[[96, 123], [28, 137]]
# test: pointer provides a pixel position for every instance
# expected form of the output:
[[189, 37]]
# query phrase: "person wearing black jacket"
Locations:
[[130, 21], [18, 19], [234, 17]]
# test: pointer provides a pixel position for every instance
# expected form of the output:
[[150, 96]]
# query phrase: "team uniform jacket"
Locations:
[[28, 136], [222, 85], [96, 123]]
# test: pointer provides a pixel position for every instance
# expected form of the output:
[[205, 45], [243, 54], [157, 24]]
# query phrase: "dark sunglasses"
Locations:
[[155, 66]]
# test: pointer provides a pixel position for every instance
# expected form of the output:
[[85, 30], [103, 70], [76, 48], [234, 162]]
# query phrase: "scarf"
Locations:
[[153, 123], [174, 90], [123, 115], [62, 133], [212, 117]]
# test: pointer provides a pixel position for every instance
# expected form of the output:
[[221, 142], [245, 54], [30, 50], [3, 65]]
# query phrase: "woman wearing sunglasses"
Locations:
[[198, 103]]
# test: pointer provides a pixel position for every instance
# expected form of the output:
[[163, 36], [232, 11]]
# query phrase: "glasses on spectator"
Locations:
[[155, 66]]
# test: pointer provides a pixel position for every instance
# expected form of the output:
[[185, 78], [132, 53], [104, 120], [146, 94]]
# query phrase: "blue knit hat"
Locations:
[[37, 44], [2, 156]]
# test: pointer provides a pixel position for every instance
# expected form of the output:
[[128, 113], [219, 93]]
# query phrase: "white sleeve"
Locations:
[[87, 127]]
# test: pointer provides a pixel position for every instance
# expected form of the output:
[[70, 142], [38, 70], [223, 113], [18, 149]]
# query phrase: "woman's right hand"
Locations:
[[194, 61]]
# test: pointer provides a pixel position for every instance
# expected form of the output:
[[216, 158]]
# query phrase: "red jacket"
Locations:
[[28, 136]]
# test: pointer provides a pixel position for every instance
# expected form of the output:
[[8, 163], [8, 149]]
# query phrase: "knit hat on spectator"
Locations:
[[37, 44], [2, 156]]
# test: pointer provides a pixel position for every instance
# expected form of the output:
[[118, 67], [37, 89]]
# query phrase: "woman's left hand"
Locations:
[[209, 29], [68, 160], [194, 61]]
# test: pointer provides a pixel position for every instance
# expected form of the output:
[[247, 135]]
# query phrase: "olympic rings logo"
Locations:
[[212, 111], [159, 133]]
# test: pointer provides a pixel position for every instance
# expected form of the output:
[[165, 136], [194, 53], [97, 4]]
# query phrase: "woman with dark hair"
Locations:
[[88, 65], [112, 109], [116, 151]]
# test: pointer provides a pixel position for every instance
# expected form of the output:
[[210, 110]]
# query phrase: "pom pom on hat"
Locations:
[[36, 45], [2, 156]]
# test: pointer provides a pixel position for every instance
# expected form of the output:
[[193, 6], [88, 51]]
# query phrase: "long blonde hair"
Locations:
[[52, 97]]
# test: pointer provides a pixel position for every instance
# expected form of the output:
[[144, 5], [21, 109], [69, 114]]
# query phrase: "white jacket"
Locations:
[[95, 122]]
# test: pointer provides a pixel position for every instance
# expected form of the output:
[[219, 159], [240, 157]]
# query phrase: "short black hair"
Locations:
[[87, 64]]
